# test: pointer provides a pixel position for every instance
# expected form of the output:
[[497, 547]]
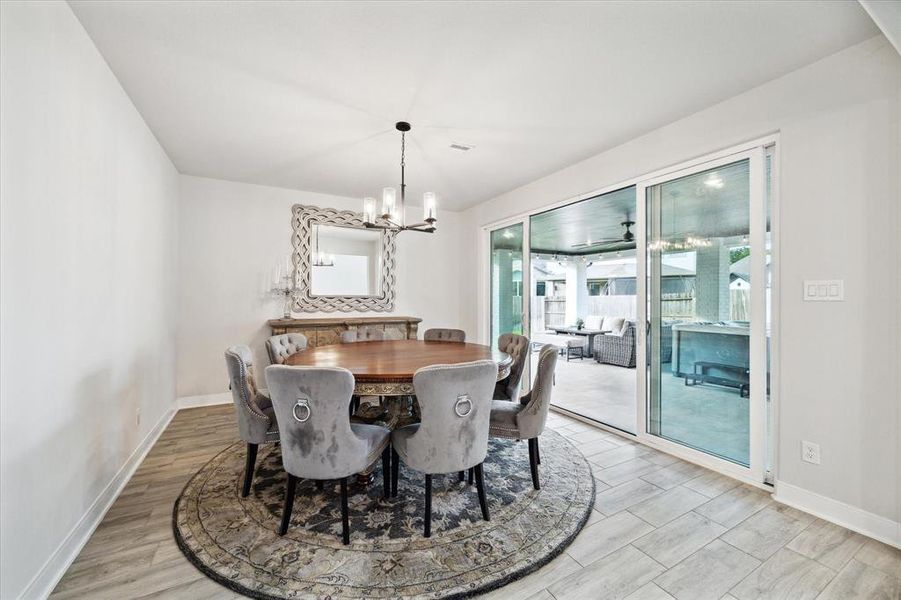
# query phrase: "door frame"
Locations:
[[484, 253], [755, 472], [483, 309]]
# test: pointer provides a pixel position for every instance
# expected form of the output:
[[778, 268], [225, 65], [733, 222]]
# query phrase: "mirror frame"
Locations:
[[303, 218]]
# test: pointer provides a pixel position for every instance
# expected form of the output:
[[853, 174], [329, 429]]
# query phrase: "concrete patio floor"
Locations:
[[708, 417]]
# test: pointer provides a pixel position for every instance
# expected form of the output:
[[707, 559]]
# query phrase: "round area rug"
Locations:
[[234, 541]]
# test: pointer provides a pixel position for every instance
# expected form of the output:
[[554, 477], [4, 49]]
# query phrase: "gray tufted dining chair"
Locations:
[[365, 334], [444, 335], [455, 401], [525, 420], [318, 440], [517, 346], [282, 346], [257, 423]]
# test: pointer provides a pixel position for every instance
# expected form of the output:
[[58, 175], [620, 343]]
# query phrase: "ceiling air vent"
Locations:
[[461, 147]]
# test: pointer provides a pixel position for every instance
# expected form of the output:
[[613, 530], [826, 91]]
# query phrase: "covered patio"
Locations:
[[707, 416]]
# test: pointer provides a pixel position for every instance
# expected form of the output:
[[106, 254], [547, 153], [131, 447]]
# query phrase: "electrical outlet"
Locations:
[[810, 452], [138, 417]]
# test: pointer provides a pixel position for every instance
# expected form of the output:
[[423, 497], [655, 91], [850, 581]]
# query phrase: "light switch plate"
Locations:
[[824, 290]]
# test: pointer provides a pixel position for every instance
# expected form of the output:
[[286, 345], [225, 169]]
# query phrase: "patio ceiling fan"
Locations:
[[627, 238]]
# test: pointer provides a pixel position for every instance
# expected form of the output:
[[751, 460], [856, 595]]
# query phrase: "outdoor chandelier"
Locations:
[[688, 243], [392, 217]]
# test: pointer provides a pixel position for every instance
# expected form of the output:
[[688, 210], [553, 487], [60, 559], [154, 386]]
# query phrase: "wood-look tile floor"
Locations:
[[661, 529]]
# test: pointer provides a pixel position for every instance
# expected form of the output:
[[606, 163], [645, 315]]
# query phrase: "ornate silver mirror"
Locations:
[[339, 263]]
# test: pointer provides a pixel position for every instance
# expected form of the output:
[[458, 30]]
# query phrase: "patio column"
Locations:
[[712, 283], [576, 290]]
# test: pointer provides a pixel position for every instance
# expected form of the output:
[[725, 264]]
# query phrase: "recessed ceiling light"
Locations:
[[714, 181], [461, 147]]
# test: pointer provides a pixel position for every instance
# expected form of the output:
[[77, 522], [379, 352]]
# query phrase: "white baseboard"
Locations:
[[56, 566], [204, 400], [853, 518]]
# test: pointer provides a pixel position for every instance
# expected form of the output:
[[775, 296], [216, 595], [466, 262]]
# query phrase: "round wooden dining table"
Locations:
[[386, 368]]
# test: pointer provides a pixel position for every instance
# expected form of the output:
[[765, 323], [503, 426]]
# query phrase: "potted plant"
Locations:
[[580, 323]]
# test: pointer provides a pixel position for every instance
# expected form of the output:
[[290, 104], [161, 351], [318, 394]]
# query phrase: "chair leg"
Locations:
[[537, 453], [480, 484], [470, 476], [462, 476], [533, 462], [386, 472], [248, 469], [320, 485], [428, 506], [289, 504], [395, 467], [345, 527]]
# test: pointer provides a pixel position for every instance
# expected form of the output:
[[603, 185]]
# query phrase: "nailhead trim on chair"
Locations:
[[503, 432], [245, 393], [529, 401]]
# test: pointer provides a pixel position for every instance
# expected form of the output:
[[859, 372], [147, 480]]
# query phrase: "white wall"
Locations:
[[231, 234], [840, 144], [87, 256]]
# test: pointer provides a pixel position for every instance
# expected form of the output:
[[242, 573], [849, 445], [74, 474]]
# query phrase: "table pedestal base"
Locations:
[[391, 412]]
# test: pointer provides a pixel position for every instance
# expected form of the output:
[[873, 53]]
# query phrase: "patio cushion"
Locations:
[[593, 321], [576, 341], [614, 324], [616, 349], [561, 341]]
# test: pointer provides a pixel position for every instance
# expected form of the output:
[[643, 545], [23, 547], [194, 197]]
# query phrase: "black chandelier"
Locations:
[[393, 217]]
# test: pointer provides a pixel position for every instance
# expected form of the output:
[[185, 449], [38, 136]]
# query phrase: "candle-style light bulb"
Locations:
[[389, 199], [429, 207], [369, 208]]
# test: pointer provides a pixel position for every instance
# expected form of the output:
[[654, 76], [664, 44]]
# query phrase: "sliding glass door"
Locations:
[[583, 301], [508, 280], [706, 297], [657, 294]]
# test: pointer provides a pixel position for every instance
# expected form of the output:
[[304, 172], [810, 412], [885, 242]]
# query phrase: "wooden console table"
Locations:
[[327, 330]]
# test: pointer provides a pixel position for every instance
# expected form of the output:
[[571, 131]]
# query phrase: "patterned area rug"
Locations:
[[234, 539]]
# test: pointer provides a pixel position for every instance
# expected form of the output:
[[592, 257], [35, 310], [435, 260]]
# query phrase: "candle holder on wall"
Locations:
[[283, 285], [286, 289]]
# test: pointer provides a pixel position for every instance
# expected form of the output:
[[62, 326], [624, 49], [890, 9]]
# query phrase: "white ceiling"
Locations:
[[305, 95]]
